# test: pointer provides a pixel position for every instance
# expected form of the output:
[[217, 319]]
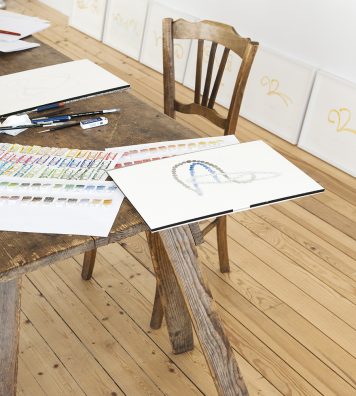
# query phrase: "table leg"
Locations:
[[171, 300], [180, 249], [88, 264], [9, 335]]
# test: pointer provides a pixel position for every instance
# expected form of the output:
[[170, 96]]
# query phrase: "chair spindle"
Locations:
[[218, 78], [198, 71], [209, 73]]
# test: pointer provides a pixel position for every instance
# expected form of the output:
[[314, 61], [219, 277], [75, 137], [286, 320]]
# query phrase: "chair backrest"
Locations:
[[217, 34]]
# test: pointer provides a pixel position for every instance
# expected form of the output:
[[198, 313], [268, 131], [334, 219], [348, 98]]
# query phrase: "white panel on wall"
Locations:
[[124, 24], [151, 54], [64, 6], [319, 32], [277, 93], [88, 17], [329, 129], [229, 77]]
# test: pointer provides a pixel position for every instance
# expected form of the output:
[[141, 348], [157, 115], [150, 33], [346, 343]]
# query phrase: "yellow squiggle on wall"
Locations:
[[127, 24], [88, 4], [341, 118], [272, 89]]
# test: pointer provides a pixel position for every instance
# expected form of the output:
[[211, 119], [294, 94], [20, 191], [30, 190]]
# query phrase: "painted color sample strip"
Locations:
[[54, 163], [58, 207], [141, 153]]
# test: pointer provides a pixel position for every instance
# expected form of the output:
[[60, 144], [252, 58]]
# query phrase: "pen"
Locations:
[[49, 106], [67, 117], [11, 33], [66, 125]]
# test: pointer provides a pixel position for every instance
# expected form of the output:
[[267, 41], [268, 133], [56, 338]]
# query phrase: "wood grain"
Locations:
[[174, 308], [88, 264], [180, 249], [9, 335]]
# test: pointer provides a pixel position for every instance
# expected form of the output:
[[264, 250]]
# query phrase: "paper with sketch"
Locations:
[[58, 207], [208, 183], [18, 45], [63, 82], [23, 24], [139, 153]]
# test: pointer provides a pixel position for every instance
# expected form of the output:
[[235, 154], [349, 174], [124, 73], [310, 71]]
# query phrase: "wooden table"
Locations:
[[186, 297]]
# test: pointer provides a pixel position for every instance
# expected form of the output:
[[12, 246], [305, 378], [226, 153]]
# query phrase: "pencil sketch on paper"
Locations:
[[203, 172], [47, 84]]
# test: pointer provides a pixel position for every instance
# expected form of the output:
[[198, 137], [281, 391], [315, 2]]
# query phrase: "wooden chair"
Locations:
[[203, 105]]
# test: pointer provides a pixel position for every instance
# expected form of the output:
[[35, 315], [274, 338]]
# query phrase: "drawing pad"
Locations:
[[68, 81], [204, 184]]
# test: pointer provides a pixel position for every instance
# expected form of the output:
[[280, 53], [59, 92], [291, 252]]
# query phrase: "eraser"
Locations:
[[93, 122]]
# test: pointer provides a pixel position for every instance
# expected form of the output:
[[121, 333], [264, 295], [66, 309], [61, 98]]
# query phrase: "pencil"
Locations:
[[60, 127], [11, 33]]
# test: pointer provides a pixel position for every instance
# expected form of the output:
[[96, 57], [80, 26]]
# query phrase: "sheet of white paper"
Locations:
[[58, 207], [15, 121], [63, 82], [204, 184], [18, 45], [24, 25]]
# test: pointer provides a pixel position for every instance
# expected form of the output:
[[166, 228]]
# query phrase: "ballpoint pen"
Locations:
[[67, 117]]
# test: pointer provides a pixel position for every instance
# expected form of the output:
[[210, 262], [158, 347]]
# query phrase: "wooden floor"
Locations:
[[289, 303]]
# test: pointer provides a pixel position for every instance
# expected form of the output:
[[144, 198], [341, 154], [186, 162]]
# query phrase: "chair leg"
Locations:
[[157, 312], [88, 264], [221, 232]]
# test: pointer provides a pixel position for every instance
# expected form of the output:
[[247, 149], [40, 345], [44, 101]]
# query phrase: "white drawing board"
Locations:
[[124, 24], [62, 82], [58, 207], [88, 17], [277, 93], [329, 129], [209, 183]]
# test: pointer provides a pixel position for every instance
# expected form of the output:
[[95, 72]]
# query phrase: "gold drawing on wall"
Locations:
[[178, 48], [128, 24], [272, 89], [341, 118], [91, 5]]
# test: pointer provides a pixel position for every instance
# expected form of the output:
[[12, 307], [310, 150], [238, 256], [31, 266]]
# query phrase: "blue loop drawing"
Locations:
[[213, 175]]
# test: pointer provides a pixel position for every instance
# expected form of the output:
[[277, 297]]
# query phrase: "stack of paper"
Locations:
[[22, 24]]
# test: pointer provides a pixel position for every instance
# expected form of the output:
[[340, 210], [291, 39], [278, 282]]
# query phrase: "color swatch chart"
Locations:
[[55, 163], [138, 154], [48, 206]]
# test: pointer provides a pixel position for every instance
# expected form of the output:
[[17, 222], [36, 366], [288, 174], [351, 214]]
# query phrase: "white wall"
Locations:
[[64, 6], [320, 32]]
